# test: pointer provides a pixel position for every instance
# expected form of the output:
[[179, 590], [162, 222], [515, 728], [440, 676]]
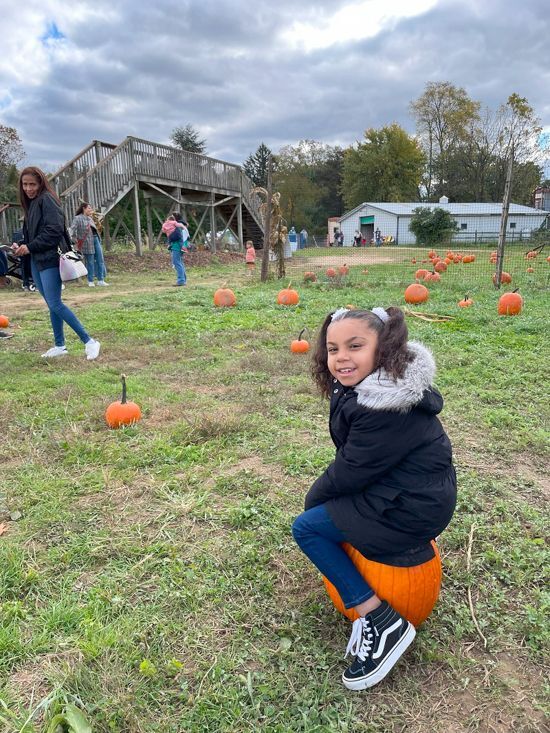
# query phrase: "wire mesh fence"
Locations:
[[526, 264]]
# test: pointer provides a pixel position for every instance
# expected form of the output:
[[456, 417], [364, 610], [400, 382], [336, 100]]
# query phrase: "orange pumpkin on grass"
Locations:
[[510, 304], [299, 345], [416, 293], [505, 278], [288, 296], [122, 412], [421, 273], [331, 272], [412, 592], [4, 321], [224, 298], [466, 302], [310, 277]]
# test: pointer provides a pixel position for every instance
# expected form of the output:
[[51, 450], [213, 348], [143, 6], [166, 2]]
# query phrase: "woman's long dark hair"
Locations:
[[44, 185], [81, 208], [392, 353]]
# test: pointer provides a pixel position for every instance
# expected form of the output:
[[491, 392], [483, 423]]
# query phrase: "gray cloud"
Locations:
[[221, 66]]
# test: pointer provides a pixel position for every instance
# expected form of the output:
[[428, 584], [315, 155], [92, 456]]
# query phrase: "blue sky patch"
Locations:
[[52, 34]]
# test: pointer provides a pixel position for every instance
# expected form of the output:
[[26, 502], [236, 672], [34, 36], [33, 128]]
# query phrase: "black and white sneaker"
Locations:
[[377, 641]]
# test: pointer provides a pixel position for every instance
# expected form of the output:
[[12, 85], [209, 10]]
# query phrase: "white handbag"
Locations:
[[71, 266]]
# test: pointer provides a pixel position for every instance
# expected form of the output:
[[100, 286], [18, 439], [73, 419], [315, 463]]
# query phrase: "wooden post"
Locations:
[[212, 224], [106, 233], [149, 224], [267, 223], [239, 221], [137, 221], [504, 218]]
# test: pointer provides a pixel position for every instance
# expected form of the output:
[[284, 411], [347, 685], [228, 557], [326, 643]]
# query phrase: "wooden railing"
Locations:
[[73, 171], [103, 184], [10, 220]]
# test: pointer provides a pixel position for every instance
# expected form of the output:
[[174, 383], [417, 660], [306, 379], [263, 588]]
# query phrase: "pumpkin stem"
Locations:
[[516, 290], [289, 284], [301, 333], [123, 380]]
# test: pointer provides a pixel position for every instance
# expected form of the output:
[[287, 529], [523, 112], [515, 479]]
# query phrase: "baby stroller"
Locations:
[[18, 268]]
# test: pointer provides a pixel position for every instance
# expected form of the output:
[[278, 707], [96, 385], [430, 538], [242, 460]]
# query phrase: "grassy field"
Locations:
[[148, 575]]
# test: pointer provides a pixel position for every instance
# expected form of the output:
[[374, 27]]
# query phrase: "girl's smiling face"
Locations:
[[351, 350]]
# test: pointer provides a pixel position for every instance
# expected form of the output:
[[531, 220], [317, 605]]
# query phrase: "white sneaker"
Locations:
[[55, 351], [103, 283], [91, 285], [92, 349]]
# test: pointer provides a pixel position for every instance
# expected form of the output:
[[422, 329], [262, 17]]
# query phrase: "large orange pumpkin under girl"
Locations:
[[412, 591]]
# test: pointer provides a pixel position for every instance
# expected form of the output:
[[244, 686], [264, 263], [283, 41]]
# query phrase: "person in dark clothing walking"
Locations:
[[392, 486], [44, 230]]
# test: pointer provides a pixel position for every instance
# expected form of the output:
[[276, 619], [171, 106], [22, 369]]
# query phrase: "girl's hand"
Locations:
[[22, 249]]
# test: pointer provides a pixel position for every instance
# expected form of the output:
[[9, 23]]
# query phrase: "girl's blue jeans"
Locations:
[[320, 539], [177, 261], [48, 283], [95, 262]]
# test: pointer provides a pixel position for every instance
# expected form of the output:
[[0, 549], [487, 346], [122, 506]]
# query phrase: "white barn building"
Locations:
[[476, 222]]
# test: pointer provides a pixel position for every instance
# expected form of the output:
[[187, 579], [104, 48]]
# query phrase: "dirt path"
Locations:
[[339, 257]]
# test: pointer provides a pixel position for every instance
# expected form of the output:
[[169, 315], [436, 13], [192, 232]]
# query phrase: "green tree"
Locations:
[[388, 166], [308, 177], [444, 116], [188, 138], [432, 226], [256, 165], [11, 152]]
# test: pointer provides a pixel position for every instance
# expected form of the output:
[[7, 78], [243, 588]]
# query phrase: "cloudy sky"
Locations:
[[250, 71]]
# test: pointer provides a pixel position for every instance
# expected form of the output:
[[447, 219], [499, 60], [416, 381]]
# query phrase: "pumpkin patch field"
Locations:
[[148, 576]]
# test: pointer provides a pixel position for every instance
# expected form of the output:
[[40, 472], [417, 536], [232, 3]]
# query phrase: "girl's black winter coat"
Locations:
[[392, 486], [44, 229]]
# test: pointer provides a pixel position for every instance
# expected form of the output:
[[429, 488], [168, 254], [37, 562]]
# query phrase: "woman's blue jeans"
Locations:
[[48, 283], [320, 539], [177, 261], [95, 262]]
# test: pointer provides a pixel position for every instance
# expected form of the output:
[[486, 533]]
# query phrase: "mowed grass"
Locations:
[[148, 575]]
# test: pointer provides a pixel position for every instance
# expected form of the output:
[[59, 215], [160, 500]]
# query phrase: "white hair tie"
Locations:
[[339, 314], [381, 313]]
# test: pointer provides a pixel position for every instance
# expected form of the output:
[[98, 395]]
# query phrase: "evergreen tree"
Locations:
[[188, 138], [255, 166]]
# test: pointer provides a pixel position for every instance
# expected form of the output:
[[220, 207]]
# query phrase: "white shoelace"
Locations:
[[361, 639]]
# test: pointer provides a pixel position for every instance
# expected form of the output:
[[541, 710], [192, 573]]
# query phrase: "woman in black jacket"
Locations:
[[43, 229], [392, 486]]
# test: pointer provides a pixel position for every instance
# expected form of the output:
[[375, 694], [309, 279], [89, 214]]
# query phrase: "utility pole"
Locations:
[[504, 218], [267, 222]]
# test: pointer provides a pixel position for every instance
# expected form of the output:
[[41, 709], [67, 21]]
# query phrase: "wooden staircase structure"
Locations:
[[219, 195]]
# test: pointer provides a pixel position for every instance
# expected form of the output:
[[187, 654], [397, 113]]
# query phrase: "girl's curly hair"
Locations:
[[392, 353]]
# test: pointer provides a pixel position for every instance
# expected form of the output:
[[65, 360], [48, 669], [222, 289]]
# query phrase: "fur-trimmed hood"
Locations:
[[379, 391]]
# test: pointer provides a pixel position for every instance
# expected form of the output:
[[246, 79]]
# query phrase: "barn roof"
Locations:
[[477, 209]]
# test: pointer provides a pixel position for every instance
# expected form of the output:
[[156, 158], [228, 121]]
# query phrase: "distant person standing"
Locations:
[[303, 238], [378, 237], [340, 238], [357, 238], [250, 257], [86, 236]]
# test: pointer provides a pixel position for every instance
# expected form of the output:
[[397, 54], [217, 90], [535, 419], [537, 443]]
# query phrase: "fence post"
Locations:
[[504, 218]]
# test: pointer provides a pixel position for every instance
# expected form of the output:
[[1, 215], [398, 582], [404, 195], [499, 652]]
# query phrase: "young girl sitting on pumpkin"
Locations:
[[392, 486]]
